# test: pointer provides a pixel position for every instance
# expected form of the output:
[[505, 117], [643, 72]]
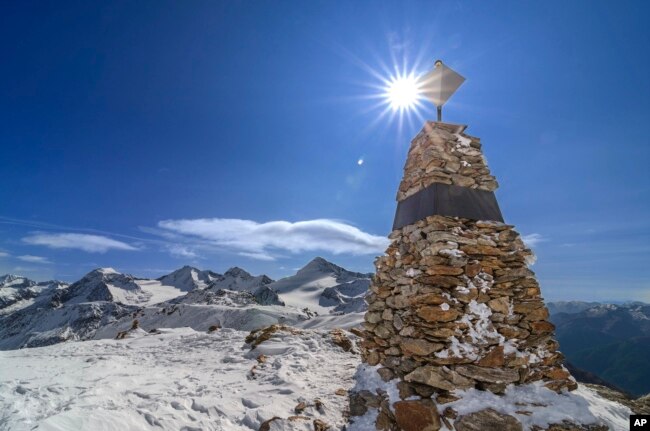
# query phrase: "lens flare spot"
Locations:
[[403, 92]]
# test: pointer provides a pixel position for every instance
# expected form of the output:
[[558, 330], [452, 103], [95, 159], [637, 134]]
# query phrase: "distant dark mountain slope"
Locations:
[[625, 362], [611, 341], [583, 376]]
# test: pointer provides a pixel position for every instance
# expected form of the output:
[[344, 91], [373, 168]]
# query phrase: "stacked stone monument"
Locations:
[[453, 304]]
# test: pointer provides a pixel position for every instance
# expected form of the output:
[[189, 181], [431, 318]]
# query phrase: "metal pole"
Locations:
[[439, 113]]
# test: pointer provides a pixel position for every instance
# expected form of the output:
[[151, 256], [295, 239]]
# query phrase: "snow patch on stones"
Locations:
[[543, 406]]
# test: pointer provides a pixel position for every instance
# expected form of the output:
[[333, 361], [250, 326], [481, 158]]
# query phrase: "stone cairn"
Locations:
[[453, 304]]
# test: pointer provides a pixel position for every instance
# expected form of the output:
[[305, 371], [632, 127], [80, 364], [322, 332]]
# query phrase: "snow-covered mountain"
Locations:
[[18, 292], [105, 302], [61, 313], [324, 287], [188, 278], [569, 307], [238, 280]]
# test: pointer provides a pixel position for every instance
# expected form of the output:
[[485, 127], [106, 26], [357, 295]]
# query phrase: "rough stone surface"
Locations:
[[453, 304], [487, 420], [420, 415]]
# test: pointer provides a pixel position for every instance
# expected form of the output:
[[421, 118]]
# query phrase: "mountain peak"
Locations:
[[188, 278], [11, 280], [320, 264], [8, 278], [236, 271], [108, 270]]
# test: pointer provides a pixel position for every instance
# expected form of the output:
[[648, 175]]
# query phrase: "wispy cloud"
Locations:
[[263, 240], [181, 251], [80, 241], [531, 240], [3, 254], [33, 259]]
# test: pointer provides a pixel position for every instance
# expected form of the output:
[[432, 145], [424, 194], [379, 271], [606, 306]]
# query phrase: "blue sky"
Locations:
[[127, 127]]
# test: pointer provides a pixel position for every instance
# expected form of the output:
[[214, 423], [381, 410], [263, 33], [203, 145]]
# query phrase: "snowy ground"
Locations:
[[182, 379], [532, 404], [178, 380]]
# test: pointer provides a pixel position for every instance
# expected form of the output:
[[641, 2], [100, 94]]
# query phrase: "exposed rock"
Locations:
[[494, 358], [258, 336], [439, 377], [489, 375], [437, 314], [420, 415], [487, 420], [340, 339], [415, 346]]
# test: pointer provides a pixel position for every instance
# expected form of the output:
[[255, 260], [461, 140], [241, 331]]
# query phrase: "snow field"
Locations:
[[179, 379]]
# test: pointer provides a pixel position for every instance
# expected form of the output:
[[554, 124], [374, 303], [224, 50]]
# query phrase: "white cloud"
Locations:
[[533, 239], [257, 256], [33, 259], [181, 251], [3, 254], [80, 241], [262, 240]]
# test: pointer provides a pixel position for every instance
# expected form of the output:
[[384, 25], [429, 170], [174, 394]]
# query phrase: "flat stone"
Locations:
[[472, 269], [495, 358], [382, 331], [384, 421], [525, 307], [439, 377], [437, 314], [443, 270], [481, 250], [357, 405], [537, 315], [542, 327], [427, 299], [438, 236], [500, 305], [439, 332], [397, 322], [372, 358], [488, 375], [417, 415], [487, 420], [513, 332], [416, 346], [462, 180], [386, 374], [515, 274], [439, 280], [557, 374]]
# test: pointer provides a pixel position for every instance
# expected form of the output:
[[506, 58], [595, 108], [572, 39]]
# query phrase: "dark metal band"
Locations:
[[447, 200]]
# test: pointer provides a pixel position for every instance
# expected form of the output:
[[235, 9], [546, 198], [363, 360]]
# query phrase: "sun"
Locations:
[[403, 92]]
